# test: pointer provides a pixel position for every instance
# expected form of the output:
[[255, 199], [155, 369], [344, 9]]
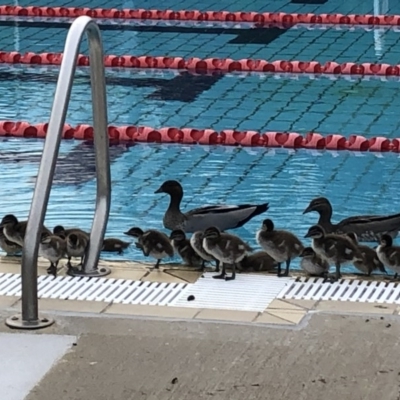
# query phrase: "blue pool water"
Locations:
[[288, 180]]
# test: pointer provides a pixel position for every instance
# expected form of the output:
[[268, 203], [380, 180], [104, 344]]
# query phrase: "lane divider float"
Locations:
[[210, 64], [226, 137], [286, 19]]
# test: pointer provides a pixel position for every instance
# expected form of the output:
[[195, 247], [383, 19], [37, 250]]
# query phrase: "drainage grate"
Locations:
[[96, 289], [246, 293], [344, 290]]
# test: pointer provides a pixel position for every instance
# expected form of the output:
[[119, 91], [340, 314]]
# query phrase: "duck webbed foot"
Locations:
[[233, 275], [286, 273], [222, 275], [157, 265], [52, 270]]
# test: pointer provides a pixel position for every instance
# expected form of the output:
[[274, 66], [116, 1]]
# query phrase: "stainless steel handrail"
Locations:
[[30, 317]]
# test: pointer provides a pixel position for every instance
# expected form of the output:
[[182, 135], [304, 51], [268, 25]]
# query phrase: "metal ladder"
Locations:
[[30, 319]]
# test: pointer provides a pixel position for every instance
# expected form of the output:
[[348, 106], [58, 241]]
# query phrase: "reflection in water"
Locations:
[[75, 168], [381, 7]]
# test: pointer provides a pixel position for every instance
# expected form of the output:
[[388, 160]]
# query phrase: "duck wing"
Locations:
[[222, 216], [370, 226]]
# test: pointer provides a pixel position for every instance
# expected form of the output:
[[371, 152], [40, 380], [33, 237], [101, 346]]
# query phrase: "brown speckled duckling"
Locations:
[[183, 247], [227, 248], [112, 245], [14, 230], [222, 216], [197, 244], [389, 255], [7, 246], [282, 246], [371, 260], [258, 262], [368, 228], [153, 243], [77, 243], [313, 264], [59, 230], [52, 248], [336, 249]]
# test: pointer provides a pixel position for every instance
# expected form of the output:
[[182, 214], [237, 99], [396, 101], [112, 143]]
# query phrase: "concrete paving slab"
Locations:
[[332, 357], [26, 358]]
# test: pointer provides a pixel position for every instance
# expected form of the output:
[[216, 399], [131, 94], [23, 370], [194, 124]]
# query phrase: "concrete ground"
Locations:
[[327, 356]]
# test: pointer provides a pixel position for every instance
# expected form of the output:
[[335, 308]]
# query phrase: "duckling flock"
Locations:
[[331, 244]]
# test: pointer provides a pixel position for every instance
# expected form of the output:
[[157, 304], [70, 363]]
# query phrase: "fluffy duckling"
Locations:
[[196, 242], [52, 248], [14, 230], [227, 248], [183, 247], [282, 246], [336, 249], [389, 255], [258, 262], [368, 228], [153, 243], [77, 243], [112, 245], [222, 216], [7, 246], [59, 230], [313, 264], [371, 260]]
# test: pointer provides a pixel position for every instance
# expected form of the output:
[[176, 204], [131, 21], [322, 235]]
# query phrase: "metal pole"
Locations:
[[30, 318]]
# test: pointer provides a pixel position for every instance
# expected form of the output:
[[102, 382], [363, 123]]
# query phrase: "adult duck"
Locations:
[[220, 216], [368, 228]]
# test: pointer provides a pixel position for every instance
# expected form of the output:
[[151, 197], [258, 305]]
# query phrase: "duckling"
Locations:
[[227, 248], [112, 245], [313, 264], [153, 243], [52, 248], [59, 230], [388, 254], [336, 249], [196, 242], [14, 230], [183, 247], [77, 243], [371, 260], [258, 262], [280, 245], [221, 216], [7, 246], [368, 228]]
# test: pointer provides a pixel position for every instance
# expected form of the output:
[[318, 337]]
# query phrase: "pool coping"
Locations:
[[283, 312]]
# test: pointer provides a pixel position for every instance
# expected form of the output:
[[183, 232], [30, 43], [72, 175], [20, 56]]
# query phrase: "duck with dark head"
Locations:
[[368, 228], [222, 216]]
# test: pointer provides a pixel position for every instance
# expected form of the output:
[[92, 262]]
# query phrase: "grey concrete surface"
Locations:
[[25, 359], [328, 357]]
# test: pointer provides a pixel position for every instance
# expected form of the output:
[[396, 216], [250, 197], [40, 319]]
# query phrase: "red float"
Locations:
[[227, 137], [262, 19]]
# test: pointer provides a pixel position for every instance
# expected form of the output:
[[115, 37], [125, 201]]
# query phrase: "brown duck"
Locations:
[[389, 255], [337, 250], [371, 260], [368, 228]]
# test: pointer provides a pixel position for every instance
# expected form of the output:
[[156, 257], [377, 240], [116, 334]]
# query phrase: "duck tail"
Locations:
[[257, 210]]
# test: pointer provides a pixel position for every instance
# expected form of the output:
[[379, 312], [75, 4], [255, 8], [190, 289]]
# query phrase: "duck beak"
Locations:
[[127, 233], [308, 209], [307, 235], [159, 190]]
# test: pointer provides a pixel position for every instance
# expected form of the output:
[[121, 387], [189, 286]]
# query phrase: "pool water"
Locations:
[[356, 183]]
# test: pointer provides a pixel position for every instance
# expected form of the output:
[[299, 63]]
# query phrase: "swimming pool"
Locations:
[[287, 179]]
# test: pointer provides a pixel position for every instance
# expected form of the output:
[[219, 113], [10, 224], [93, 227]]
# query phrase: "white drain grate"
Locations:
[[248, 292], [96, 289], [344, 290]]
